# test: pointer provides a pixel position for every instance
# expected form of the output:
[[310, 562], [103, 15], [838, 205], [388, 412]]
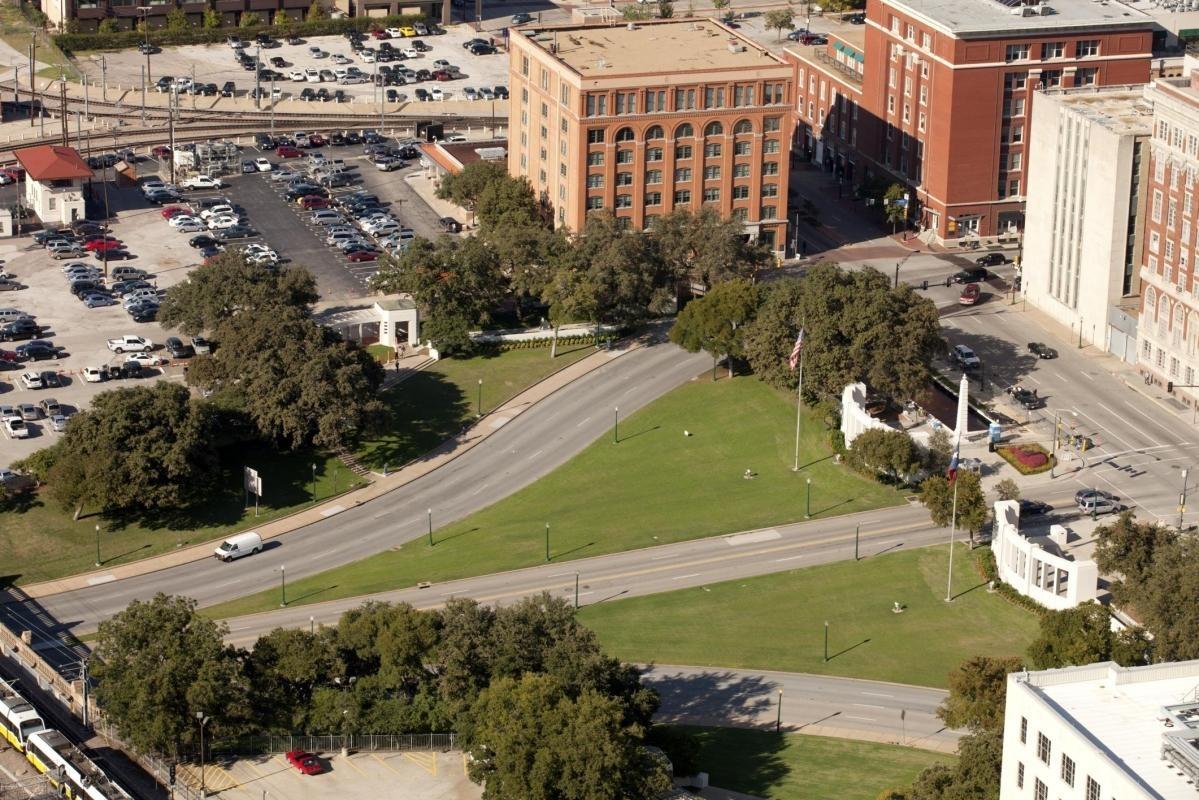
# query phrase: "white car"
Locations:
[[340, 59], [94, 374], [15, 428], [154, 186], [312, 75], [263, 164], [368, 57], [284, 175], [297, 75], [437, 94], [182, 219], [216, 211], [58, 423], [147, 359], [395, 33], [219, 223], [202, 182], [31, 380], [191, 226], [410, 52]]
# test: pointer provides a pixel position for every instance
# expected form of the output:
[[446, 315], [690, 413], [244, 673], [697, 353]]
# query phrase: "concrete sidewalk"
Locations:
[[381, 485]]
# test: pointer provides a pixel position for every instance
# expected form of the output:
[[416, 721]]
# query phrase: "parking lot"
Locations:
[[215, 63], [81, 333], [361, 776]]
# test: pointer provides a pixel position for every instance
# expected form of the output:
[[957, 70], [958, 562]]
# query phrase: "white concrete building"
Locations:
[[54, 178], [1041, 567], [1083, 222], [1102, 732]]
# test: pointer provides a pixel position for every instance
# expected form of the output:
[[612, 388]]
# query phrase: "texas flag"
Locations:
[[796, 350], [953, 467]]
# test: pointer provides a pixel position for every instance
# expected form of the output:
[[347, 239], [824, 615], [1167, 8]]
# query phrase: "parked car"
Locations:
[[964, 357], [521, 19], [971, 294], [450, 225]]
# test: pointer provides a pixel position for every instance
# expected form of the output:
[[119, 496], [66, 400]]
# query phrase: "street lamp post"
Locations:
[[98, 562], [479, 404], [311, 625], [857, 532], [826, 641], [616, 425], [314, 483], [576, 590], [203, 720], [1057, 422], [808, 505], [430, 518], [547, 541], [146, 29], [1182, 499], [778, 721], [282, 586]]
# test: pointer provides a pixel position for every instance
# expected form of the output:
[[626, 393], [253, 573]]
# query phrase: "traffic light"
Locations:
[[171, 774], [1169, 387]]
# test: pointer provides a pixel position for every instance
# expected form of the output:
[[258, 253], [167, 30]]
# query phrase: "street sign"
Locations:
[[253, 482]]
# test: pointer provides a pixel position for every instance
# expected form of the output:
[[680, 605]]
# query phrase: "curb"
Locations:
[[84, 580]]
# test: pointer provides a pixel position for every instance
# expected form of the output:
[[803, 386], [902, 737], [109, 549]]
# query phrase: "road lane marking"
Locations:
[[685, 577], [867, 705], [877, 694], [583, 422], [788, 558], [1087, 375], [863, 719], [754, 537]]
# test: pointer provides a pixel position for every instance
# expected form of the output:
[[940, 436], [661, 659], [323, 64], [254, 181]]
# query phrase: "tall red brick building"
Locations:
[[938, 94]]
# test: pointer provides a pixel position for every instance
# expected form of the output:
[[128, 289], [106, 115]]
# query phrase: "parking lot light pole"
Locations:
[[203, 720], [146, 30], [778, 721], [808, 505], [98, 562], [430, 519], [282, 586], [1182, 498]]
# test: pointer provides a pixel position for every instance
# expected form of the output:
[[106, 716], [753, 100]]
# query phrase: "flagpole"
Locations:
[[953, 524], [798, 411]]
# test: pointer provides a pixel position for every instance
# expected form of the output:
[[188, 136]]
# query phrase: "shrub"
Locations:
[[1028, 459]]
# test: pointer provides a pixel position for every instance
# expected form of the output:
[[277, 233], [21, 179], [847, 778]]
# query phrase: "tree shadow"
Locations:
[[742, 760], [422, 413], [713, 697]]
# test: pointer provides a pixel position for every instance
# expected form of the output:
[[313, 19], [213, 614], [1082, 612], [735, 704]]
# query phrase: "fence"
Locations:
[[365, 743]]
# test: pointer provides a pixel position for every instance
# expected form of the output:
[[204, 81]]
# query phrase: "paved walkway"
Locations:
[[438, 457]]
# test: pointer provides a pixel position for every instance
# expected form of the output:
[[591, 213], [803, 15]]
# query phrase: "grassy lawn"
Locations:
[[798, 767], [776, 622], [436, 402], [655, 486], [18, 32], [40, 541]]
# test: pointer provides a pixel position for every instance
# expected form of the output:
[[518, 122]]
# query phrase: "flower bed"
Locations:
[[1028, 459]]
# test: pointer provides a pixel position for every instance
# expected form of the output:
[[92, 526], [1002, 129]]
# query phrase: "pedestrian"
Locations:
[[397, 365]]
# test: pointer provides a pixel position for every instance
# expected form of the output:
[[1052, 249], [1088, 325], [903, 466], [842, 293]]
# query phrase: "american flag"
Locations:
[[796, 350]]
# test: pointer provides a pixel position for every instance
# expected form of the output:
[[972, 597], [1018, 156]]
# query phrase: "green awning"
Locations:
[[840, 48], [859, 57]]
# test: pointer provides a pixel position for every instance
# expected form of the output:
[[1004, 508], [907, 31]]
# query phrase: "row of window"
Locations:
[[1176, 136], [659, 100], [681, 198], [684, 131], [684, 175], [1045, 755], [1049, 51]]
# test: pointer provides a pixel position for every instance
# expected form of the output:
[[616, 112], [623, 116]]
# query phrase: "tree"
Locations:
[[285, 668], [529, 738], [389, 642], [717, 321], [665, 9], [157, 664], [634, 12], [940, 451], [1126, 550], [720, 5], [779, 19], [176, 19], [895, 205], [464, 652], [108, 25], [456, 283], [890, 453], [937, 495], [250, 19], [281, 17], [212, 18], [466, 187], [857, 328], [977, 692], [1083, 635], [136, 450], [705, 248], [228, 286], [297, 381], [316, 10], [1007, 489]]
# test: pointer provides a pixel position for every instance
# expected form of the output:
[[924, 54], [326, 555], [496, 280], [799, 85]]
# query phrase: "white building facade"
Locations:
[[1082, 229], [1102, 732], [1031, 567], [54, 183]]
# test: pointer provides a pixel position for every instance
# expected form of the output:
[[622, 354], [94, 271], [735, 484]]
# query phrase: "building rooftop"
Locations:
[[1139, 716], [454, 156], [48, 162], [968, 19], [1120, 109], [652, 47]]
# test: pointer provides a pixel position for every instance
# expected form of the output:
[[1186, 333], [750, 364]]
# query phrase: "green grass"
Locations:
[[655, 486], [435, 403], [18, 32], [798, 767], [39, 541], [776, 622]]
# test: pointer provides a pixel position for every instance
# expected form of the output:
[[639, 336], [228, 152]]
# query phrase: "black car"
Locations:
[[991, 260], [422, 95], [322, 94], [424, 75], [143, 313], [82, 287], [1030, 507], [971, 275], [408, 153], [482, 50], [450, 225], [121, 287], [178, 349], [130, 369], [147, 49], [228, 89], [264, 141], [1041, 350], [51, 380], [1026, 398], [294, 40], [308, 94], [23, 328], [36, 351], [237, 232], [201, 240], [337, 139], [210, 251], [501, 92], [420, 46], [209, 90], [469, 43]]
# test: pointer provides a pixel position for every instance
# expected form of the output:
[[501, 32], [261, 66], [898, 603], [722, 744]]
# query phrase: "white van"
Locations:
[[243, 544]]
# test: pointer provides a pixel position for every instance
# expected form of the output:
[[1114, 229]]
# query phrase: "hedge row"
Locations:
[[984, 562], [533, 344], [164, 37]]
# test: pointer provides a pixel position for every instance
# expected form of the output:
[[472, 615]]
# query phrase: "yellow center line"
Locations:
[[349, 760]]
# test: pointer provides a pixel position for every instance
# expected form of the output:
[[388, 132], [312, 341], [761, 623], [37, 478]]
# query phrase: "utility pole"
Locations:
[[87, 108], [143, 95], [32, 79], [104, 78], [146, 30], [83, 680], [62, 111], [1182, 498], [174, 98], [258, 76]]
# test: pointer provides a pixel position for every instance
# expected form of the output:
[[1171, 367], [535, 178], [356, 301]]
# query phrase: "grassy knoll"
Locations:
[[435, 403], [797, 767], [655, 486], [776, 622], [40, 541]]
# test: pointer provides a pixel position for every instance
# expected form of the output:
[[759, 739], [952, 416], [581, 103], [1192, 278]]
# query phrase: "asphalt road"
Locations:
[[829, 706], [543, 438]]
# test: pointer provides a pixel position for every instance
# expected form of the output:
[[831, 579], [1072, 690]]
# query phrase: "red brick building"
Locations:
[[938, 94]]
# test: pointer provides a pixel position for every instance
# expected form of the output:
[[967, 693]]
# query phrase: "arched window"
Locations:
[[714, 129], [655, 132], [744, 126], [1163, 316], [684, 131], [1150, 301], [1176, 327], [624, 135]]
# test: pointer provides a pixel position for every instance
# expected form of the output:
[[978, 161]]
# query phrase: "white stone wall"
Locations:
[[854, 419], [55, 205], [1053, 581]]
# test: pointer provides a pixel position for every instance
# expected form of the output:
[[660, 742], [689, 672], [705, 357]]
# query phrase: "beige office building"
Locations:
[[643, 118]]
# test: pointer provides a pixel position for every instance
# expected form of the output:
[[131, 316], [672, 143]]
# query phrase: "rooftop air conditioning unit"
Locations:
[[1045, 10], [736, 46]]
